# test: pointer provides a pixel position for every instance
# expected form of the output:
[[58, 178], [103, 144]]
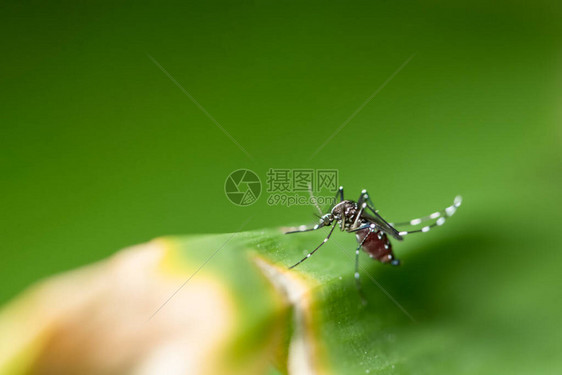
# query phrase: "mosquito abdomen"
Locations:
[[377, 245]]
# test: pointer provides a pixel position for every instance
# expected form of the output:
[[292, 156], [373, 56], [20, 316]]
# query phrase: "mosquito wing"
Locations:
[[377, 219]]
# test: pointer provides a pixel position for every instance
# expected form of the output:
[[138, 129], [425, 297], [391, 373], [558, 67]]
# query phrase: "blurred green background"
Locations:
[[101, 150]]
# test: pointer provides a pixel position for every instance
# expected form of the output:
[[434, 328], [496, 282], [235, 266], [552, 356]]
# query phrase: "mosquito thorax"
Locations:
[[344, 208]]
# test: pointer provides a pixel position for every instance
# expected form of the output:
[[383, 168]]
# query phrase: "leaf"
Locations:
[[227, 304]]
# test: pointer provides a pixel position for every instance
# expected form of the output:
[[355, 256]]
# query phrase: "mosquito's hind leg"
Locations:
[[439, 216]]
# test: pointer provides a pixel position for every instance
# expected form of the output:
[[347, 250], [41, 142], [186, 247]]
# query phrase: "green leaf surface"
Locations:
[[453, 306], [458, 304]]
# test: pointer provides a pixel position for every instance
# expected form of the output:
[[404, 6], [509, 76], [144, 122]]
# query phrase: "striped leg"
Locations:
[[388, 228], [340, 193], [364, 226], [358, 217], [356, 275], [364, 197], [303, 228], [439, 216], [317, 247]]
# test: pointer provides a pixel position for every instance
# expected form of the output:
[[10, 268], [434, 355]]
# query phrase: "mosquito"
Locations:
[[371, 230]]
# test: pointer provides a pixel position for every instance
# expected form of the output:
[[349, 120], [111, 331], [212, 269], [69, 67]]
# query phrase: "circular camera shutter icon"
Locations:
[[242, 187]]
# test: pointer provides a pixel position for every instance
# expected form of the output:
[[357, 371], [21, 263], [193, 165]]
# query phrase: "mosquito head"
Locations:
[[326, 219]]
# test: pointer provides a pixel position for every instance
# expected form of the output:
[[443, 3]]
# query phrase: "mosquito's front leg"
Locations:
[[317, 247], [303, 228]]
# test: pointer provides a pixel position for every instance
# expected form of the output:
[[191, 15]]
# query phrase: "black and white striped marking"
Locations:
[[441, 217]]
